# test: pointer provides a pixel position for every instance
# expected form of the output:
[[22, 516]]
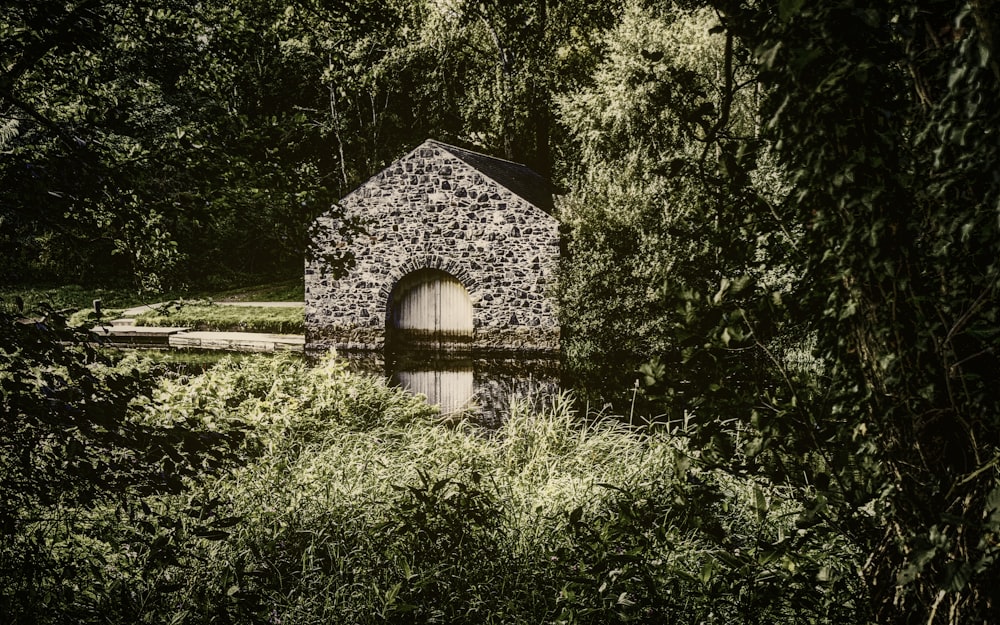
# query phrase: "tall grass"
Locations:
[[358, 504]]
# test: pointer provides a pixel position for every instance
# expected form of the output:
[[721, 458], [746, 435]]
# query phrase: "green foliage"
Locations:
[[170, 144], [651, 222], [859, 175], [865, 162], [150, 144], [749, 182], [360, 507], [873, 115], [74, 463], [351, 502]]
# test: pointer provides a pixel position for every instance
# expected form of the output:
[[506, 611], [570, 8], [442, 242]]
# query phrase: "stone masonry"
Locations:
[[484, 221]]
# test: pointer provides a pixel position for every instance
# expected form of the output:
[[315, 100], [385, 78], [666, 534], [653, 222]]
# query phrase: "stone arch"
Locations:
[[431, 261]]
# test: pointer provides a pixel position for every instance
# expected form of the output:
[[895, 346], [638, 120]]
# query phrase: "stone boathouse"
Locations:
[[460, 253]]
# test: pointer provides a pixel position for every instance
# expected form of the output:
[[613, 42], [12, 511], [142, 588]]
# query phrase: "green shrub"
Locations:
[[95, 505], [354, 502]]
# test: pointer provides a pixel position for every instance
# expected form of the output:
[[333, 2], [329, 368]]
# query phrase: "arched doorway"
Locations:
[[429, 308]]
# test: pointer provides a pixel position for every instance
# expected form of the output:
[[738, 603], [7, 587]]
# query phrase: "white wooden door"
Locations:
[[431, 304]]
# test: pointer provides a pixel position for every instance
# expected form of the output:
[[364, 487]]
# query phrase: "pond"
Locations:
[[480, 386]]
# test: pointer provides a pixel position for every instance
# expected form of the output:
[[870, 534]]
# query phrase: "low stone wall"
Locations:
[[513, 340]]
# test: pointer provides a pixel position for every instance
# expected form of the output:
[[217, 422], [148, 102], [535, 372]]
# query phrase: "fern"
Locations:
[[9, 130]]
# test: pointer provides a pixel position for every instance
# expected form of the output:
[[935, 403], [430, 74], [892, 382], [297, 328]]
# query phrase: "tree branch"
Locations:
[[43, 46], [72, 143]]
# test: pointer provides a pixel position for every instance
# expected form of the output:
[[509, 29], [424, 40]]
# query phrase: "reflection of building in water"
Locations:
[[482, 388], [499, 383], [451, 387]]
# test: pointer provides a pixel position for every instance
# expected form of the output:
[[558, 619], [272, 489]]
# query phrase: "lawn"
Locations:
[[212, 317], [196, 309]]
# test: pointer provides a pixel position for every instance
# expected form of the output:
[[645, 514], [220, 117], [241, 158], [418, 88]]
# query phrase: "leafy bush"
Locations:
[[353, 502], [95, 508], [360, 506]]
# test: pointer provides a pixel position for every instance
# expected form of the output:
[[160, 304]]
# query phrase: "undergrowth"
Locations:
[[306, 493], [357, 504]]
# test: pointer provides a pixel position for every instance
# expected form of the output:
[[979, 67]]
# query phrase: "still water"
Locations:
[[480, 387]]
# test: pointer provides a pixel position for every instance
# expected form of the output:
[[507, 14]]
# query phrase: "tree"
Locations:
[[653, 215], [874, 114], [153, 140], [837, 196], [882, 114]]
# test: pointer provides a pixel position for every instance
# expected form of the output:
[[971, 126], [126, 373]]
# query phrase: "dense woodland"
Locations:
[[783, 217]]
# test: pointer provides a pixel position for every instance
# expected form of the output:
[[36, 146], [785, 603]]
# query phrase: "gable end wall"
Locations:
[[432, 210]]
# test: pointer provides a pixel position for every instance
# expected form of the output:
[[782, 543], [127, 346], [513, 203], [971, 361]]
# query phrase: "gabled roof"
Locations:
[[519, 179]]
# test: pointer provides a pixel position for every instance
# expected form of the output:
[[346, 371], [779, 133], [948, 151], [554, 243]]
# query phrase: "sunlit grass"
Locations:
[[219, 318], [283, 291], [359, 504], [345, 500]]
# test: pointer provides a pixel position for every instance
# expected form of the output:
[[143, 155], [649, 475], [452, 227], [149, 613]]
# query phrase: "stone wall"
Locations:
[[432, 210]]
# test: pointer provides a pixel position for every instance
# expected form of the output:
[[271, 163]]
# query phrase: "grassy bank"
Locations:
[[213, 317], [284, 291]]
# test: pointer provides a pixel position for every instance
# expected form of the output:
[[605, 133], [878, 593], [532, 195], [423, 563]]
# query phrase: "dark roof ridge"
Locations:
[[450, 147], [518, 178]]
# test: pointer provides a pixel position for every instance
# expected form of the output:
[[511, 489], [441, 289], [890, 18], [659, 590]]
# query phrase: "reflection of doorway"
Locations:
[[429, 307], [449, 384]]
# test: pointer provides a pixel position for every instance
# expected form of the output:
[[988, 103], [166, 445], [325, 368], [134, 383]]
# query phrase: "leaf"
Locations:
[[787, 9], [178, 617], [767, 58], [212, 534], [706, 571], [760, 503]]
